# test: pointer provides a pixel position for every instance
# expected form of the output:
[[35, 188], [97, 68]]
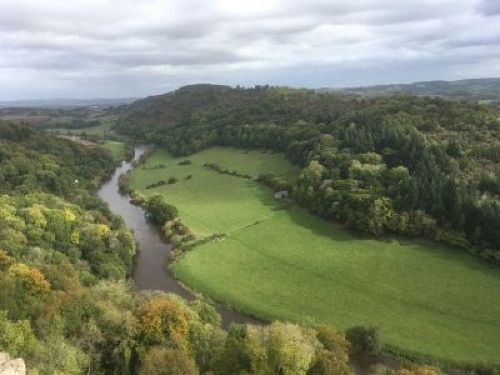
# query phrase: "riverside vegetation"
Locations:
[[417, 167], [239, 233], [66, 306]]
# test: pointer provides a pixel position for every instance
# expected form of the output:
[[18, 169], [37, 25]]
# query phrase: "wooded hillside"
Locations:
[[415, 166]]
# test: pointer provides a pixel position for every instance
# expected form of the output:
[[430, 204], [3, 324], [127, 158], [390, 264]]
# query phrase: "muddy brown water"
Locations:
[[151, 271]]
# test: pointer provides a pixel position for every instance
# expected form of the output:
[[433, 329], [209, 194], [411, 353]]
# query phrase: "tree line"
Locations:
[[415, 166], [67, 306]]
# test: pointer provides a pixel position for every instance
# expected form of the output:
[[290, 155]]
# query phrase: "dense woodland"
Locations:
[[413, 166]]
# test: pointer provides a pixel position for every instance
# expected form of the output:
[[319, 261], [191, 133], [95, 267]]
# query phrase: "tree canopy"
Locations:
[[415, 166]]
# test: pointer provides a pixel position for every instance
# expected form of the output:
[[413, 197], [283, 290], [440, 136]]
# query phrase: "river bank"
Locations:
[[151, 271]]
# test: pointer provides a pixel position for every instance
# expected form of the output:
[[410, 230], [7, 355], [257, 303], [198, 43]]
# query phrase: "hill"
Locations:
[[484, 89], [65, 103], [417, 166]]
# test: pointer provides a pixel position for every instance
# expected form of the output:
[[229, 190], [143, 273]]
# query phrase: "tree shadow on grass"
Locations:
[[450, 254], [263, 194], [321, 227], [337, 232]]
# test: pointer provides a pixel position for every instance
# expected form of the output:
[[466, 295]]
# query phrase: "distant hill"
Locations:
[[448, 151], [217, 105], [66, 103], [175, 107], [484, 89]]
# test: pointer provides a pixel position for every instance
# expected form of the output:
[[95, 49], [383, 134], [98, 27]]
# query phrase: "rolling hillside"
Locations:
[[485, 89]]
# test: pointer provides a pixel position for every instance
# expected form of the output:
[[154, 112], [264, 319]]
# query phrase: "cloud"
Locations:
[[132, 48], [489, 7]]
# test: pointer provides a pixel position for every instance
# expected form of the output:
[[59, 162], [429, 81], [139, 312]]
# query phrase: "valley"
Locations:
[[280, 262], [249, 188]]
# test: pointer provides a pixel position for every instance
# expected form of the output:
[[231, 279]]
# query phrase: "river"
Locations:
[[151, 270]]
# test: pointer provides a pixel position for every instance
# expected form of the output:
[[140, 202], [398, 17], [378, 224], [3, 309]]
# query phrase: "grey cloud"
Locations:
[[134, 47], [180, 58], [476, 41], [489, 7], [372, 12]]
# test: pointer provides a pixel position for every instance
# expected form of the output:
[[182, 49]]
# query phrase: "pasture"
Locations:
[[288, 264], [101, 130], [210, 202], [116, 148]]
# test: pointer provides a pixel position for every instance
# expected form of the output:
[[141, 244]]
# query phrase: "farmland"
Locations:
[[100, 130], [116, 148], [210, 202], [288, 264]]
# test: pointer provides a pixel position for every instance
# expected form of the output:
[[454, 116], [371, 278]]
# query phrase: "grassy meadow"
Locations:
[[99, 130], [211, 202], [116, 148], [288, 264]]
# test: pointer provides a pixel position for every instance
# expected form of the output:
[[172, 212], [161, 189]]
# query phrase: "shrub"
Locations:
[[206, 311], [418, 370], [137, 199], [158, 210], [176, 240], [161, 361], [363, 340], [124, 183], [156, 184], [185, 162], [165, 318]]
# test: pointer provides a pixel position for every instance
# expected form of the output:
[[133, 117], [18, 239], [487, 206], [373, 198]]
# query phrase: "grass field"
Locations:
[[99, 130], [117, 149], [288, 264], [211, 202]]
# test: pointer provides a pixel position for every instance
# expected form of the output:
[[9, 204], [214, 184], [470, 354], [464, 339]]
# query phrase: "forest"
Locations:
[[413, 166]]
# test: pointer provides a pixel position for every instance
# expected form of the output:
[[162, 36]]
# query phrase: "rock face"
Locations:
[[9, 366]]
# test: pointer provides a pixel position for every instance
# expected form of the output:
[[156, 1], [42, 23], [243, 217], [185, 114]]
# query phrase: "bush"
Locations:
[[185, 162], [172, 180], [137, 199], [363, 340], [213, 166], [161, 361], [482, 369], [156, 184], [176, 240], [158, 210], [124, 183]]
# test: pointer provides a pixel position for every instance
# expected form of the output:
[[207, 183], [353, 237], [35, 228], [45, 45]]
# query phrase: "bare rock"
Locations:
[[9, 366]]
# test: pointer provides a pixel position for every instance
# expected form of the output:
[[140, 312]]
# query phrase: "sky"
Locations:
[[135, 48]]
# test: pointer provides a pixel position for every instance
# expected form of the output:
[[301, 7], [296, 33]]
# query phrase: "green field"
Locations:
[[211, 202], [288, 264], [98, 130], [116, 148]]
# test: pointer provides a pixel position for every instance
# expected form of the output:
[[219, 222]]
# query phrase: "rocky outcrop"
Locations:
[[9, 366]]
